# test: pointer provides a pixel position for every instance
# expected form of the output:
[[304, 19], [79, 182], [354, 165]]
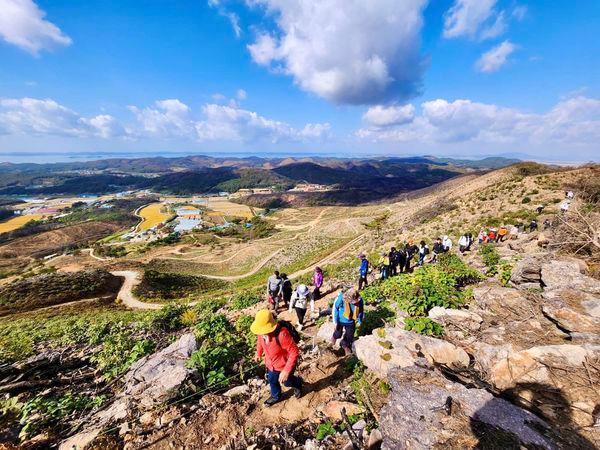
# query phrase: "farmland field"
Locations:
[[152, 215], [228, 208], [17, 222]]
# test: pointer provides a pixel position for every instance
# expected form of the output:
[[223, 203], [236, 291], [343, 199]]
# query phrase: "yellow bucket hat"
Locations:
[[264, 323]]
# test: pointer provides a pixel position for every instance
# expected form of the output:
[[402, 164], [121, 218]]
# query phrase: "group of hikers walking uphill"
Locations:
[[278, 339]]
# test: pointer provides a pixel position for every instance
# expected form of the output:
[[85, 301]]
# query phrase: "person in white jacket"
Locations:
[[300, 300], [447, 244], [463, 243]]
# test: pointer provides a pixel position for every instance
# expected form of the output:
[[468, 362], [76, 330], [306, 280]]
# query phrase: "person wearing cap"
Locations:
[[384, 265], [348, 312], [363, 271], [300, 299], [280, 351], [411, 250]]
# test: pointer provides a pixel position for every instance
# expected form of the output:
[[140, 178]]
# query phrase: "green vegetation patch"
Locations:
[[157, 285], [424, 326], [491, 258], [55, 288]]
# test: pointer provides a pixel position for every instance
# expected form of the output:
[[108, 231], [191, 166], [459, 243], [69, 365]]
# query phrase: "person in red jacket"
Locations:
[[281, 354]]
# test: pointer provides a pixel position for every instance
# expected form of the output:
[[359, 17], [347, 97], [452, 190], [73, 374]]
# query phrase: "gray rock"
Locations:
[[375, 439], [460, 318], [237, 391], [528, 270], [414, 417], [155, 378], [568, 274], [592, 307], [325, 332]]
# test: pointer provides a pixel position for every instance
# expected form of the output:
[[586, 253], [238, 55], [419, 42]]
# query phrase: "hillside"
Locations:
[[509, 331]]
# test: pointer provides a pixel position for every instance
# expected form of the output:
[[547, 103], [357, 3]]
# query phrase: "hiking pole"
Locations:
[[351, 434]]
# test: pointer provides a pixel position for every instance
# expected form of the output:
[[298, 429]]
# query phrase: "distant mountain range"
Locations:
[[205, 174]]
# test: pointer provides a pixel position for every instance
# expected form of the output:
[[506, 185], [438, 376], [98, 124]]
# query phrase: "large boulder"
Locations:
[[155, 378], [325, 332], [568, 274], [528, 272], [389, 348], [458, 318], [569, 319], [425, 410], [563, 370]]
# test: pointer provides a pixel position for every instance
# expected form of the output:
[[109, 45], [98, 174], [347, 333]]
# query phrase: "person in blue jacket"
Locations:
[[363, 271], [348, 313]]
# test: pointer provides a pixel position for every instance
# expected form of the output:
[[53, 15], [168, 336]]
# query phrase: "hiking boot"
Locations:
[[297, 392], [347, 351], [271, 401]]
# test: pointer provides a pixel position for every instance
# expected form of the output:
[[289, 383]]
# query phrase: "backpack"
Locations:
[[290, 328]]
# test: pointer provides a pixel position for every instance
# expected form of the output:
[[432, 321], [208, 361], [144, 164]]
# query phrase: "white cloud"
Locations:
[[385, 116], [495, 29], [494, 59], [30, 116], [232, 123], [241, 94], [346, 51], [22, 24], [233, 18], [466, 17], [166, 119], [519, 12], [571, 122]]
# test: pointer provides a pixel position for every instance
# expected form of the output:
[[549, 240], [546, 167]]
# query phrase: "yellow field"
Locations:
[[18, 222], [152, 216], [227, 208]]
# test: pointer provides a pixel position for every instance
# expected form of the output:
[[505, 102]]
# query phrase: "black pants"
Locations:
[[362, 282], [407, 265], [300, 312], [402, 264], [347, 330], [317, 293], [393, 269]]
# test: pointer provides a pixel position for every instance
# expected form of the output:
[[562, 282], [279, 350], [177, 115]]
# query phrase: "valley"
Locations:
[[106, 281]]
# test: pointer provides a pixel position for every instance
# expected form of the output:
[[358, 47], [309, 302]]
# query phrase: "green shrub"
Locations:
[[454, 266], [324, 430], [168, 318], [246, 299], [43, 411], [505, 272], [376, 318], [526, 200], [490, 257], [424, 326], [119, 351]]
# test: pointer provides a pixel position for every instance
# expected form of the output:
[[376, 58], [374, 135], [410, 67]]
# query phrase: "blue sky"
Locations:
[[346, 77]]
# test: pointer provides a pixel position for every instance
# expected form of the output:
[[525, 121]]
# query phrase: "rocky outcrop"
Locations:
[[152, 380], [425, 410], [527, 273], [458, 319], [568, 274], [392, 347]]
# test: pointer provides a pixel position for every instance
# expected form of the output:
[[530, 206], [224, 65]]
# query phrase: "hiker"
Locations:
[[274, 287], [393, 255], [569, 195], [547, 224], [533, 226], [437, 249], [277, 342], [423, 252], [469, 241], [502, 233], [514, 232], [401, 260], [384, 265], [348, 312], [491, 237], [411, 250], [540, 208], [363, 271], [463, 243], [286, 289], [447, 244], [564, 207], [481, 237], [317, 283], [300, 298]]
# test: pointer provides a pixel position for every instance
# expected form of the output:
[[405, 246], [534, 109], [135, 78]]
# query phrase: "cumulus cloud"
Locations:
[[36, 117], [494, 59], [574, 121], [22, 23], [346, 51], [164, 119], [385, 116]]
